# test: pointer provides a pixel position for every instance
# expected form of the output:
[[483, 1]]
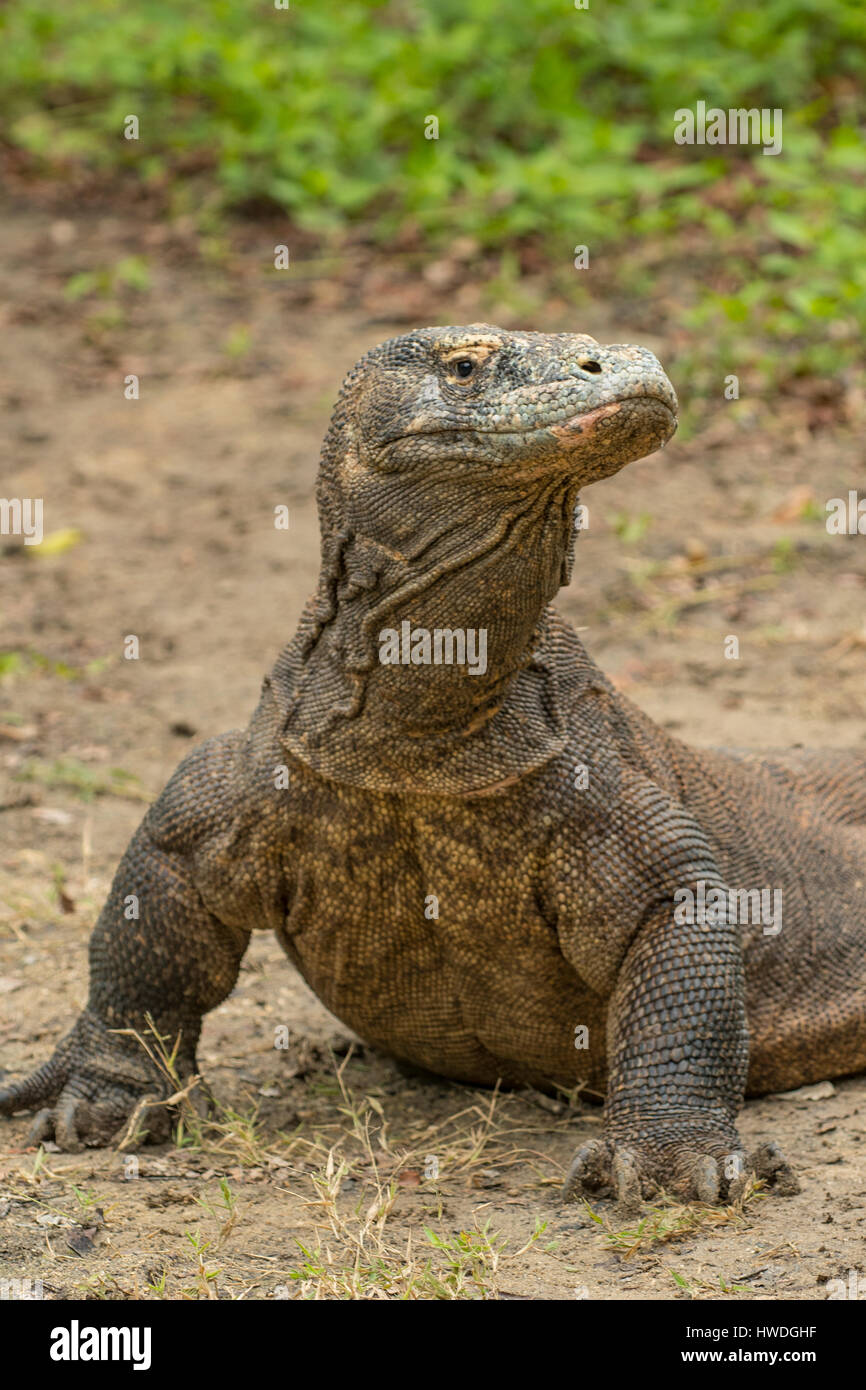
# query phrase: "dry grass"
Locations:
[[350, 1176], [669, 1219]]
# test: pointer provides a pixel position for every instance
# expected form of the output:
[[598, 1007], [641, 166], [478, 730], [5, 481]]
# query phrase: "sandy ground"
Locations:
[[331, 1173]]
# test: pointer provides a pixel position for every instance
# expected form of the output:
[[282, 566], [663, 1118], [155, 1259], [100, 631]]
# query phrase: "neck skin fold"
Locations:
[[478, 594]]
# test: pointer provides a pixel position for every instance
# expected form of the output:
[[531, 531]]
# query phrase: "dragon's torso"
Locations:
[[427, 926], [479, 936]]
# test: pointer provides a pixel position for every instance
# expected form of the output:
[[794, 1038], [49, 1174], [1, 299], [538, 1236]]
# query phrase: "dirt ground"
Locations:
[[329, 1172]]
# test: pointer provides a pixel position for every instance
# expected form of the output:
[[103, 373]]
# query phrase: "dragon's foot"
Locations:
[[701, 1168], [97, 1088]]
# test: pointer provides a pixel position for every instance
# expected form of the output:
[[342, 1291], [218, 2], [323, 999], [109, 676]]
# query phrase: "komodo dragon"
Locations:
[[485, 868]]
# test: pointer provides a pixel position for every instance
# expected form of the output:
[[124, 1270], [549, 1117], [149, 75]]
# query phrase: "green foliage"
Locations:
[[129, 273], [86, 782], [555, 124], [631, 529]]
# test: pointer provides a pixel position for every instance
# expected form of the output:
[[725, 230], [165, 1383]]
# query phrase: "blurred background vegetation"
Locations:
[[556, 129]]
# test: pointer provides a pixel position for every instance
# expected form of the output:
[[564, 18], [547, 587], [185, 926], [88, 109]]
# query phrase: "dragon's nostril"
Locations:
[[589, 364]]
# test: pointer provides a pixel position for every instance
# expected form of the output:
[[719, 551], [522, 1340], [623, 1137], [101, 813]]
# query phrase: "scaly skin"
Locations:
[[548, 819]]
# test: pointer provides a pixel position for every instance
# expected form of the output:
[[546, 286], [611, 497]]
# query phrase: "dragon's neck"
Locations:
[[369, 693], [432, 641]]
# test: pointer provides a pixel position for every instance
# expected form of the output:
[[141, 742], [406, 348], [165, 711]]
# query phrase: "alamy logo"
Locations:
[[711, 907], [76, 1343], [22, 516], [27, 1290], [855, 1289], [735, 127], [846, 518], [444, 646]]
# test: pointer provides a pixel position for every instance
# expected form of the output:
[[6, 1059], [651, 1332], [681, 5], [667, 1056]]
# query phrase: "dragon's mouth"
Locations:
[[586, 423], [578, 427], [601, 441], [589, 423]]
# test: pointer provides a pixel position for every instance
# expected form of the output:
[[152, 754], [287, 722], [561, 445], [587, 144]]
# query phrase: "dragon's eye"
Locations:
[[464, 366]]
